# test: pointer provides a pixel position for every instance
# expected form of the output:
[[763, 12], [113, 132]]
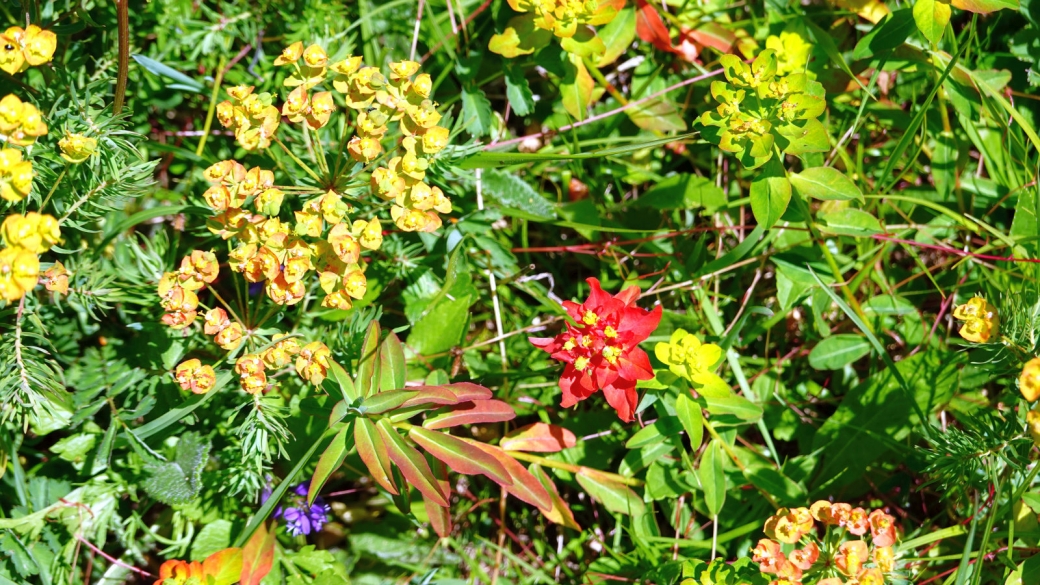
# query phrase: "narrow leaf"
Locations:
[[258, 556], [560, 513], [330, 460], [373, 453], [538, 438], [468, 413], [460, 455], [411, 463], [440, 517], [386, 401], [392, 366], [368, 365], [616, 497], [710, 474]]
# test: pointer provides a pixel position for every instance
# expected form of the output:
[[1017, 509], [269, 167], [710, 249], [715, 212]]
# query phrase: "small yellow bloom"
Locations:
[[315, 56], [216, 320], [199, 269], [290, 54], [34, 232], [16, 175], [368, 233], [1033, 424], [76, 148], [313, 362], [19, 273], [20, 48], [344, 244], [981, 320], [686, 356], [230, 337], [56, 279], [281, 353], [193, 376], [32, 126], [1029, 380]]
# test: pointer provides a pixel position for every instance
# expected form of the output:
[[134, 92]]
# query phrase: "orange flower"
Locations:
[[179, 572], [804, 558], [858, 523], [230, 337], [882, 528], [313, 362], [344, 244], [823, 512], [768, 555], [280, 354], [56, 279], [283, 292], [871, 576], [216, 321], [192, 375], [851, 556], [199, 269]]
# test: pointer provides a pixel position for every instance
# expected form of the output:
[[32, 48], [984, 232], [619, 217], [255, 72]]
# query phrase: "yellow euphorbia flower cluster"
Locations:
[[77, 148], [177, 289], [22, 48], [251, 116], [980, 320], [282, 254], [20, 122], [563, 17], [25, 238], [687, 357]]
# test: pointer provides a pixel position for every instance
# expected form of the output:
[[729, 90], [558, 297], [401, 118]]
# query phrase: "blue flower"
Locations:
[[299, 517]]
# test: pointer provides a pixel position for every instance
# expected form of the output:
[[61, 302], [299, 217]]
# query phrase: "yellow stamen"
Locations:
[[590, 318], [581, 363], [609, 332]]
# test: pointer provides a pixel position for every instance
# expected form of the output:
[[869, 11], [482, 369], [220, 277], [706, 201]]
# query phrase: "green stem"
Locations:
[[524, 456], [212, 106], [297, 160]]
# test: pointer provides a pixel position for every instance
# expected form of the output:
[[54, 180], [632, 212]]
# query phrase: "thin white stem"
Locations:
[[491, 276], [714, 535], [415, 35]]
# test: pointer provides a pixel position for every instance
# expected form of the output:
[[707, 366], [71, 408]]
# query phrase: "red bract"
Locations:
[[601, 348]]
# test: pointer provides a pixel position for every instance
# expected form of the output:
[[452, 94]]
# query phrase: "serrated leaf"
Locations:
[[692, 419], [710, 474], [470, 413], [374, 454], [411, 463], [516, 197], [538, 438], [459, 455], [826, 184], [330, 460], [258, 555], [179, 481], [615, 496]]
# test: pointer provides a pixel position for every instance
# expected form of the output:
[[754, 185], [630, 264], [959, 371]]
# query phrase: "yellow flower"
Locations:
[[33, 232], [269, 202], [321, 109], [216, 320], [344, 244], [19, 273], [792, 52], [1029, 380], [230, 337], [981, 320], [16, 175], [282, 292], [192, 375], [686, 356], [56, 279], [249, 364], [10, 113], [30, 128], [290, 54], [21, 48], [280, 354], [332, 207], [76, 148], [199, 269], [1033, 424], [368, 233], [312, 364], [434, 140]]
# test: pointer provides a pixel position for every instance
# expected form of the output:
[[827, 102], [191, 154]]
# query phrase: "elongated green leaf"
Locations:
[[692, 419], [391, 363], [770, 193], [330, 460], [891, 32], [172, 416], [524, 485], [411, 463], [368, 364], [423, 395], [516, 197], [617, 36], [339, 380], [712, 478], [654, 433], [489, 159], [837, 351], [735, 405], [826, 184], [559, 513], [616, 497], [849, 222], [538, 438], [386, 401], [459, 455], [373, 453], [470, 413], [258, 556], [161, 69]]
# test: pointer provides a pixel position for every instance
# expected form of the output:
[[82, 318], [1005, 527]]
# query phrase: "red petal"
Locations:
[[623, 398], [651, 28], [635, 365], [638, 324], [573, 309], [545, 343], [629, 296]]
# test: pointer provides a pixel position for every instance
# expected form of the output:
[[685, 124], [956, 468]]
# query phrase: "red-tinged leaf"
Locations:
[[710, 34], [368, 365], [223, 567], [560, 512], [984, 6], [538, 438], [258, 555], [330, 460], [412, 464], [431, 395], [374, 454], [339, 381], [440, 517], [466, 391], [470, 413], [525, 486], [339, 412], [460, 455], [385, 401], [651, 28], [391, 363]]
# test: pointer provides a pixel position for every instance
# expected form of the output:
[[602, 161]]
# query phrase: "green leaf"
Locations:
[[576, 88], [386, 401], [837, 351], [689, 413], [733, 404], [770, 193], [339, 381], [931, 17], [411, 463], [712, 478], [617, 36], [584, 43], [616, 497], [74, 448], [391, 363], [875, 416], [470, 413], [985, 6], [442, 327], [658, 115], [368, 363], [181, 80], [849, 222], [330, 460], [803, 137], [518, 91], [179, 481], [213, 537], [683, 191], [826, 184], [483, 159], [654, 433], [258, 556], [891, 32], [459, 455], [373, 453], [516, 197], [476, 111], [774, 482]]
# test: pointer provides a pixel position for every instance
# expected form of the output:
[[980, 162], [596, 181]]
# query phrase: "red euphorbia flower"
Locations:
[[601, 348]]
